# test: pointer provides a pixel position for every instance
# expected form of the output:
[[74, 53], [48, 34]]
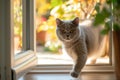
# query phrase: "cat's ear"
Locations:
[[76, 21], [58, 21]]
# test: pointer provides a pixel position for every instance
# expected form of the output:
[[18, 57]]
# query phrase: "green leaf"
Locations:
[[109, 1], [60, 10], [116, 27], [104, 31], [99, 19], [108, 25], [101, 16], [105, 12], [97, 7]]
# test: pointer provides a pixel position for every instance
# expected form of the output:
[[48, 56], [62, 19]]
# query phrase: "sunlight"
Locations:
[[100, 60]]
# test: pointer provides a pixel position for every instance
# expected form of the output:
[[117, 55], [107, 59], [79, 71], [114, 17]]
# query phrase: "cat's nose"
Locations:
[[67, 35]]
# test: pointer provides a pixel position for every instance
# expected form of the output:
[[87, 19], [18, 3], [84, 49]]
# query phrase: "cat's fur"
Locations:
[[80, 41]]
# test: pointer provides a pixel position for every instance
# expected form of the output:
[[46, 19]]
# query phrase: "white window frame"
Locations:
[[89, 68], [24, 61], [13, 66]]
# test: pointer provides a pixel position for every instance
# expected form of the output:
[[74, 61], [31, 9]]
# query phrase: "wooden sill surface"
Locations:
[[84, 76]]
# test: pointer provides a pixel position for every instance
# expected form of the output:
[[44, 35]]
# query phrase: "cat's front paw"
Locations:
[[74, 74]]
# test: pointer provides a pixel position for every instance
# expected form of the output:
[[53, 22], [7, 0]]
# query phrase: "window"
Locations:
[[48, 47], [23, 62], [50, 56], [23, 58]]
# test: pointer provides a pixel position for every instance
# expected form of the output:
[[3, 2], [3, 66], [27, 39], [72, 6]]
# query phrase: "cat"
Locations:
[[80, 41]]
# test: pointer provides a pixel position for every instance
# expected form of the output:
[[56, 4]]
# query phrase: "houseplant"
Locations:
[[110, 16]]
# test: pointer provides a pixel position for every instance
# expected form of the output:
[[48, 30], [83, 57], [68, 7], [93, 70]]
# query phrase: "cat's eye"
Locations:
[[63, 31], [71, 31]]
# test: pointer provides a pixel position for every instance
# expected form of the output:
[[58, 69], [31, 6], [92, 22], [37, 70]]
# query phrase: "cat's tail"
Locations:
[[106, 48], [103, 50]]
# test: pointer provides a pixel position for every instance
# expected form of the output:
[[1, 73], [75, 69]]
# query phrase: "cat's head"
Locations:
[[67, 30]]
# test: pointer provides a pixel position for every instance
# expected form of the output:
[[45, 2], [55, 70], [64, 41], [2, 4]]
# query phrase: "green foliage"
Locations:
[[99, 19], [97, 7], [116, 27], [106, 29], [55, 3], [101, 16], [109, 15]]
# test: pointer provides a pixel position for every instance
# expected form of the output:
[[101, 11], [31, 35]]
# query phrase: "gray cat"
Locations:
[[80, 42]]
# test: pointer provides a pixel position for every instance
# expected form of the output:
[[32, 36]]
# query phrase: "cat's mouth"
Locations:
[[68, 39]]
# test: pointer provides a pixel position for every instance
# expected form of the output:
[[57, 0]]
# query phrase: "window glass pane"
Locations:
[[17, 26], [49, 48]]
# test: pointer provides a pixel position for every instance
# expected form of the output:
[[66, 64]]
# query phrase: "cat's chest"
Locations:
[[71, 53]]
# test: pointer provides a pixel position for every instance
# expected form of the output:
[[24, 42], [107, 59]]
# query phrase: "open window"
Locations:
[[48, 47], [24, 55], [22, 33], [17, 38]]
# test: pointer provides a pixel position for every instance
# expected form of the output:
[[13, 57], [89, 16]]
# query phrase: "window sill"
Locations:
[[83, 76], [45, 69]]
